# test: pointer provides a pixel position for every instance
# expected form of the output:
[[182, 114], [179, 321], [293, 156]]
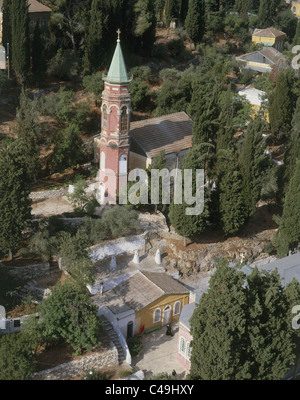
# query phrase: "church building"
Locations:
[[123, 145]]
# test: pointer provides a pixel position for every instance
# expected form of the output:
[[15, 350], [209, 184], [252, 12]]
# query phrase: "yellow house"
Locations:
[[295, 7], [145, 301], [255, 98], [269, 37]]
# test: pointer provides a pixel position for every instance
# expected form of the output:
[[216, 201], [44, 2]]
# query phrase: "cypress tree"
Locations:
[[15, 204], [240, 327], [281, 105], [195, 20], [271, 346], [296, 40], [20, 38], [37, 51], [190, 226], [292, 292], [218, 327], [169, 11], [6, 22], [243, 7], [159, 163], [182, 11], [267, 12], [289, 227], [225, 133], [254, 162], [204, 108], [292, 153], [232, 208], [145, 24], [94, 46]]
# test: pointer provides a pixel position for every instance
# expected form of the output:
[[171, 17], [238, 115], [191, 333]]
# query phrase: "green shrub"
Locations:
[[64, 65], [143, 72], [94, 375], [176, 48], [135, 345], [126, 373], [139, 94], [16, 356]]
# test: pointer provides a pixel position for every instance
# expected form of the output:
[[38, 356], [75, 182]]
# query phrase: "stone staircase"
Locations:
[[113, 337]]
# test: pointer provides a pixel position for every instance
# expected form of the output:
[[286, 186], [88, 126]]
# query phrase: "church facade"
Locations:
[[123, 145]]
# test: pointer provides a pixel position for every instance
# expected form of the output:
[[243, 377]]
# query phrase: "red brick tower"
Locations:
[[114, 142]]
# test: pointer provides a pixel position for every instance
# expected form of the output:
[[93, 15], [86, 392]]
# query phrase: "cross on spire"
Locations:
[[119, 33]]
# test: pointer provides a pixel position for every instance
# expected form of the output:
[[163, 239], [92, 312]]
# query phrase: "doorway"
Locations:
[[167, 315], [130, 329]]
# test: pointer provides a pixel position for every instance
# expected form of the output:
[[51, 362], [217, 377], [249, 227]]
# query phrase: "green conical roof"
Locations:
[[117, 72]]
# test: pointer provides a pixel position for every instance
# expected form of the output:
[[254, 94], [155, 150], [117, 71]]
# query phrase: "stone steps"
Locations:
[[114, 338]]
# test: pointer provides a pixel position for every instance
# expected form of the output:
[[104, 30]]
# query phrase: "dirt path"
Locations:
[[50, 207]]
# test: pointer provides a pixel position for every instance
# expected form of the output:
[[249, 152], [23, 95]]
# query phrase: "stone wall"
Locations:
[[48, 194], [77, 368]]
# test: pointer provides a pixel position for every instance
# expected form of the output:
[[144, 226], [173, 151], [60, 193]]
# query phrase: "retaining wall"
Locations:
[[48, 194], [79, 367]]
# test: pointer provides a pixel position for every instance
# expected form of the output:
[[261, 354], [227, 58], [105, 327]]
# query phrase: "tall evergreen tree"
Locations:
[[37, 51], [6, 23], [190, 226], [292, 292], [232, 208], [169, 11], [292, 153], [94, 46], [288, 235], [243, 7], [225, 133], [28, 131], [254, 162], [240, 327], [296, 40], [214, 16], [15, 204], [182, 11], [218, 327], [281, 105], [195, 20], [145, 24], [271, 345], [20, 38], [267, 12], [204, 108]]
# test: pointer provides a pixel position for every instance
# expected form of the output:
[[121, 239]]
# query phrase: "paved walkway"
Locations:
[[159, 353]]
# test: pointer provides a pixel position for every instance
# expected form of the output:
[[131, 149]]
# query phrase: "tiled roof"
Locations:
[[268, 32], [272, 54], [166, 283], [34, 6], [141, 290], [171, 133]]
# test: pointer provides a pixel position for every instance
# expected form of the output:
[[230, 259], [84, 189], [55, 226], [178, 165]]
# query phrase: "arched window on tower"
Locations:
[[104, 115], [123, 164], [124, 119]]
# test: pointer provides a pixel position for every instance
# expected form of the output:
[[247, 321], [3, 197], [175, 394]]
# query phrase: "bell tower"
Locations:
[[115, 126]]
